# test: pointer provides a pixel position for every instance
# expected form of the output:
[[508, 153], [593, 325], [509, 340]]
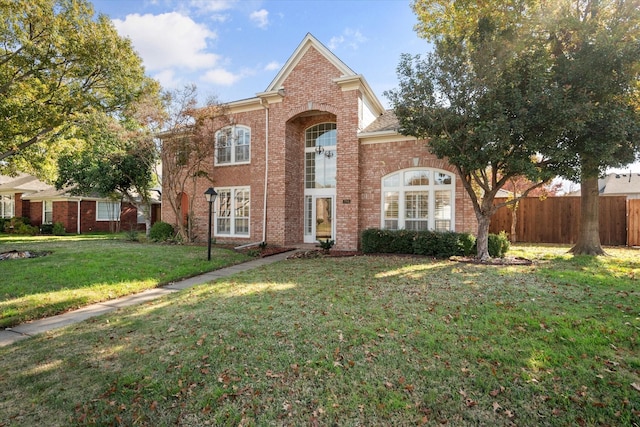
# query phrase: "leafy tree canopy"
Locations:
[[482, 101], [58, 65]]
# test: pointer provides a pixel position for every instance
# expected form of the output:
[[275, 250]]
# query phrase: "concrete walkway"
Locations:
[[10, 335]]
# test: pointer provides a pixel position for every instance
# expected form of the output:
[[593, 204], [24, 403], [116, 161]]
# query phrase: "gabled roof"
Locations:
[[308, 42], [349, 79], [620, 184], [21, 183]]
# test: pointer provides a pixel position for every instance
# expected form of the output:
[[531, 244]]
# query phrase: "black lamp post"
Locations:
[[210, 195]]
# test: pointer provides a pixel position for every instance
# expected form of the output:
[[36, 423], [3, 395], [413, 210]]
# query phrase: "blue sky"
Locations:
[[234, 48]]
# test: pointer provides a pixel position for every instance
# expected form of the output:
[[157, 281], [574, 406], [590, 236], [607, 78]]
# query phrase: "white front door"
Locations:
[[319, 221]]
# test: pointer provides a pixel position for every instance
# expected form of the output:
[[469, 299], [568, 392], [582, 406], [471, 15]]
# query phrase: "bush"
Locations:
[[443, 244], [20, 225], [326, 245], [498, 244], [46, 229], [58, 229], [161, 232], [429, 243], [375, 240]]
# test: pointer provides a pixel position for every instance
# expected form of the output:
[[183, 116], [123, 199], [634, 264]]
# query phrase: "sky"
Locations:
[[233, 49]]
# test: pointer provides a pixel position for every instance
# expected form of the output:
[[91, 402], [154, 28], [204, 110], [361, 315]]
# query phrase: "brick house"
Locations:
[[26, 196], [316, 156]]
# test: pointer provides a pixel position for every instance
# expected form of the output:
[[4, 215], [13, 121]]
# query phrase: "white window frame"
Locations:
[[7, 206], [399, 189], [235, 217], [112, 210], [235, 139], [47, 208]]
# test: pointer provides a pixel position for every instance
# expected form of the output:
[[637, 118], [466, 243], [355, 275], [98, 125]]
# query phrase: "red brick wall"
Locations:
[[378, 160], [312, 97]]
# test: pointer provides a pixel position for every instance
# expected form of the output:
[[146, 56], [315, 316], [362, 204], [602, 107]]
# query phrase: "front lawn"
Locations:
[[80, 270], [372, 341]]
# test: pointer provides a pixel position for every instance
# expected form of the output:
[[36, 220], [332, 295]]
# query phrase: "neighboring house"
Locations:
[[620, 184], [316, 156], [26, 196]]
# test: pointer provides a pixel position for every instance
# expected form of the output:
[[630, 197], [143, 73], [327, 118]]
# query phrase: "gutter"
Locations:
[[266, 171]]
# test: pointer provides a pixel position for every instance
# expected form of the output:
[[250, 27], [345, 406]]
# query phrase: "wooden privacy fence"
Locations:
[[556, 220]]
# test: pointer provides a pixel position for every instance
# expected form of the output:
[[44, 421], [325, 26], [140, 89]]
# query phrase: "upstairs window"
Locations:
[[418, 199], [233, 145], [320, 162]]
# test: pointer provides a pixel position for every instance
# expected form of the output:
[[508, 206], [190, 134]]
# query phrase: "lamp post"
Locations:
[[210, 195]]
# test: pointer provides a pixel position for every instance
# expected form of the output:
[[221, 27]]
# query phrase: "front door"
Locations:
[[319, 223]]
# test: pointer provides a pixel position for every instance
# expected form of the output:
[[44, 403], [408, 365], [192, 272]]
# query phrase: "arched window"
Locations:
[[418, 199], [233, 145]]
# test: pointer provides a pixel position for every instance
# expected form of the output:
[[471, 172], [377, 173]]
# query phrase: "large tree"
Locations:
[[58, 63], [596, 52], [481, 100], [593, 57], [188, 149], [117, 160]]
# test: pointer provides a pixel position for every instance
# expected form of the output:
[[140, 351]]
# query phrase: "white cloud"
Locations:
[[168, 40], [221, 76], [212, 5], [349, 38], [260, 18], [273, 65], [167, 79]]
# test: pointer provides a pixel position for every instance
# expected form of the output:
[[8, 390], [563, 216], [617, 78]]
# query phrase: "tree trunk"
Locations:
[[513, 235], [589, 232], [482, 240]]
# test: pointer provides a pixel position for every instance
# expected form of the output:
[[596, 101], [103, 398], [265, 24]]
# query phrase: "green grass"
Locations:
[[352, 341], [81, 270]]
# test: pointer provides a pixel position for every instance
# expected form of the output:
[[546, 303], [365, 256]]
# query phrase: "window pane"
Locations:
[[392, 181], [224, 226], [391, 210], [442, 178], [416, 178], [308, 217], [107, 211], [48, 212], [321, 135], [416, 205], [310, 170], [224, 203], [391, 224], [242, 226]]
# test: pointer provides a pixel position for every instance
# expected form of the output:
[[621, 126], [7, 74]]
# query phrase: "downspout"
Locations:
[[78, 217], [265, 104]]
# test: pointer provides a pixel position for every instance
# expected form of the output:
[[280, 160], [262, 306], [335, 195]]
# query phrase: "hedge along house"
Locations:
[[316, 156]]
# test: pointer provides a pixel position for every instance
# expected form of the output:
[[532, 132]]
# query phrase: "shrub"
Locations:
[[498, 244], [20, 225], [443, 244], [161, 232], [58, 229], [429, 243], [375, 240], [46, 229], [27, 230], [326, 245], [467, 243]]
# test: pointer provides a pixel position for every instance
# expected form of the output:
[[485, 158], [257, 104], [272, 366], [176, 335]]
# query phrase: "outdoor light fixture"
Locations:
[[210, 195]]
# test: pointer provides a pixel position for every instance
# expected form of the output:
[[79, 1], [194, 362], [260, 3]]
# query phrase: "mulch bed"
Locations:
[[22, 254]]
